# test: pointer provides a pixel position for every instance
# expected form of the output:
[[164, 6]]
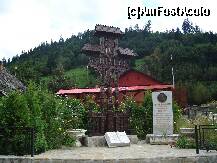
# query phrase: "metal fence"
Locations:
[[17, 141], [205, 137], [100, 123]]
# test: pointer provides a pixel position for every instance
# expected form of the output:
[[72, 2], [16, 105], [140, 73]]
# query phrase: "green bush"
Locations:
[[185, 142], [137, 115], [188, 142], [176, 115], [90, 104], [51, 116], [74, 114], [141, 115], [148, 108]]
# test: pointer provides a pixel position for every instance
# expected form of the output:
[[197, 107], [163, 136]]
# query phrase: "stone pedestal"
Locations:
[[99, 141], [78, 134]]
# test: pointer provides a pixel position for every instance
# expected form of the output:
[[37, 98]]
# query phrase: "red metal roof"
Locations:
[[96, 90]]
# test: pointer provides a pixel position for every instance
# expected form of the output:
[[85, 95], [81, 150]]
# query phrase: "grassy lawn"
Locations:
[[139, 64], [80, 75]]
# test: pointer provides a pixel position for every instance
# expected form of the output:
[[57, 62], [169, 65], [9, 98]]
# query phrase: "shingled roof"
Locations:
[[9, 82], [107, 29], [96, 49], [126, 52], [89, 48]]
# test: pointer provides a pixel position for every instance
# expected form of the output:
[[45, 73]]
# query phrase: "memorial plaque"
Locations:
[[117, 139], [112, 139], [124, 140], [162, 113]]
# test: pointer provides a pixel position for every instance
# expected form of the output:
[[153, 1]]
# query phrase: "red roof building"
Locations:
[[131, 83]]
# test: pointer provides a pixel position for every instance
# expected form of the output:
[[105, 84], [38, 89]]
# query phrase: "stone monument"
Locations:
[[162, 119], [162, 113]]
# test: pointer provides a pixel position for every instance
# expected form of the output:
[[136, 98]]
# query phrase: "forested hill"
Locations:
[[194, 55]]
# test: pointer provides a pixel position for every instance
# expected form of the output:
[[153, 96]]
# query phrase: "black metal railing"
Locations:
[[205, 137], [98, 123], [17, 141]]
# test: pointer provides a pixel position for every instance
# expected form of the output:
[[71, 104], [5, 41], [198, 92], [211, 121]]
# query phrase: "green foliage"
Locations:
[[51, 116], [200, 94], [90, 104], [185, 142], [176, 115], [183, 122], [83, 77], [137, 119], [141, 115], [74, 114], [59, 80], [148, 108], [187, 27], [202, 120]]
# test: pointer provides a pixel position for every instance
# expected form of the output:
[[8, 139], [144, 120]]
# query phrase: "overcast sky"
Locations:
[[24, 24]]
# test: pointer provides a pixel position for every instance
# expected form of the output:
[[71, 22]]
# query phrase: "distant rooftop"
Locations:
[[9, 82]]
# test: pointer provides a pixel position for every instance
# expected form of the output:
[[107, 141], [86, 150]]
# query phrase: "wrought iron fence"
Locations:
[[100, 123], [17, 141], [205, 137]]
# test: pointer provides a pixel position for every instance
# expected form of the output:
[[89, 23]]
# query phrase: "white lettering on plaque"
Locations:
[[162, 113]]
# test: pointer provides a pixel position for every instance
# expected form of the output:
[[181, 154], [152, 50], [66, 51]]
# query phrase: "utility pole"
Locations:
[[87, 75], [173, 76]]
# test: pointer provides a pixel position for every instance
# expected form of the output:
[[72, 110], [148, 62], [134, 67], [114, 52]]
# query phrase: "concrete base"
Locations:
[[161, 139], [99, 141]]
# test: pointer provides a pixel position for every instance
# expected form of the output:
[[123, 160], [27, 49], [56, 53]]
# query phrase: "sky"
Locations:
[[24, 24]]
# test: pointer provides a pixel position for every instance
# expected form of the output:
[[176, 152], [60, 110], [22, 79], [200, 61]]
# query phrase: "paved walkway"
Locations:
[[133, 153]]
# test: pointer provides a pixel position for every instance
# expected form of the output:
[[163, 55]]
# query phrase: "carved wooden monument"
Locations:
[[109, 61]]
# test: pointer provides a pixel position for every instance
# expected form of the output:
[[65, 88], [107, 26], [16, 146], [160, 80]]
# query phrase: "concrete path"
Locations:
[[134, 153]]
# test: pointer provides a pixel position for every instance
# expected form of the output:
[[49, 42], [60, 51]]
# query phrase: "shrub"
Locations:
[[48, 114], [176, 115], [90, 104], [74, 114], [141, 115], [183, 122], [137, 115], [185, 142], [148, 108]]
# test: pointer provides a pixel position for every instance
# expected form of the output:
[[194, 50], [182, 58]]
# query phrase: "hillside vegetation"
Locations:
[[191, 52]]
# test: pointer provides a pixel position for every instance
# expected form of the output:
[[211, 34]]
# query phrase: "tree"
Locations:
[[147, 27], [187, 26], [200, 94], [59, 80]]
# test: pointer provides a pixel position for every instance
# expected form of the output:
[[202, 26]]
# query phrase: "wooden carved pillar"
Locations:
[[110, 113]]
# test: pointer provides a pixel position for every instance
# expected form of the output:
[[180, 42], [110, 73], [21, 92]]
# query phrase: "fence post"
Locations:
[[32, 142], [196, 139]]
